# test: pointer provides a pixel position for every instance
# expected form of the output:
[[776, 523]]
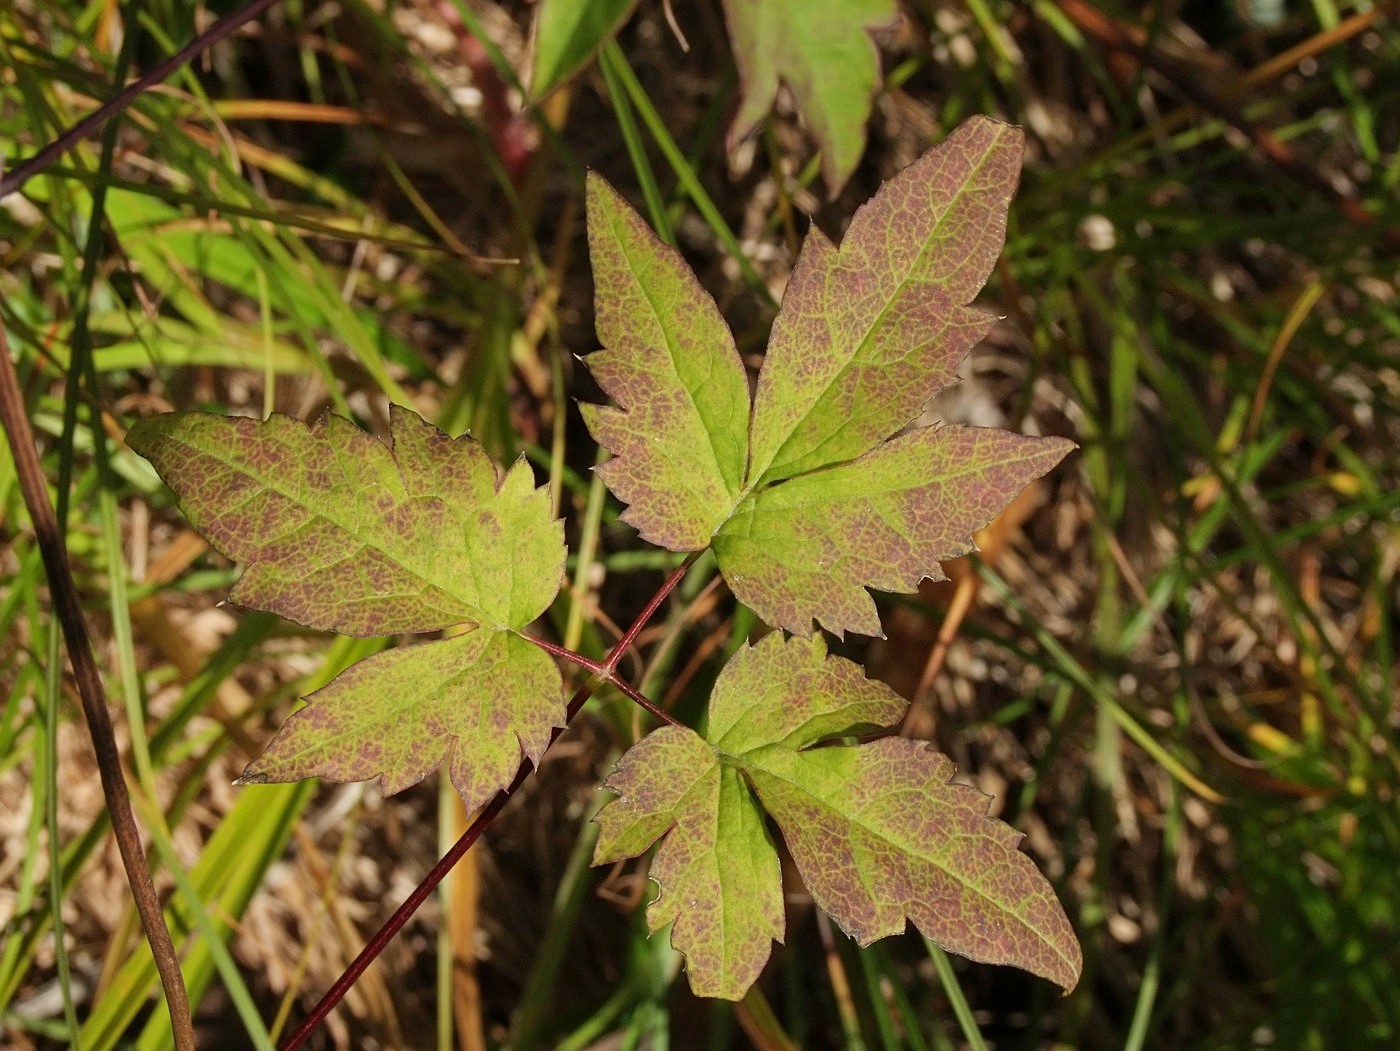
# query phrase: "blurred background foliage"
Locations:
[[1173, 664]]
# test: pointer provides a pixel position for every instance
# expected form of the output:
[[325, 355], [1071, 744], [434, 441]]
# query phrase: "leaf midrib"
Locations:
[[748, 764], [353, 529], [673, 355], [878, 319]]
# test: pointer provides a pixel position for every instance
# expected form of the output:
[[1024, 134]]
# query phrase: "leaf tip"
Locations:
[[1055, 448], [137, 433], [1068, 967], [598, 192], [982, 124], [144, 436]]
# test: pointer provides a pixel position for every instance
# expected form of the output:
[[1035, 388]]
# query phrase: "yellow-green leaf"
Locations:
[[878, 831], [479, 702], [815, 496], [807, 549], [870, 331], [343, 533], [678, 434], [719, 873]]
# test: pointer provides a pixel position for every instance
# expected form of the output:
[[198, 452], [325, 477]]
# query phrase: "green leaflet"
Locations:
[[678, 436], [871, 331], [719, 873], [801, 551], [568, 34], [809, 500], [878, 832], [821, 49], [485, 700], [343, 533]]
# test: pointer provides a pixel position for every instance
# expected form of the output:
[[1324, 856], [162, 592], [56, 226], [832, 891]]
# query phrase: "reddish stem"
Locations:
[[605, 673], [508, 130], [566, 654], [488, 813]]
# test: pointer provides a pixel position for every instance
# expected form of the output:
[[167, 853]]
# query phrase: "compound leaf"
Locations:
[[807, 549], [679, 432], [484, 699], [877, 830], [821, 49], [813, 500], [342, 533], [870, 331]]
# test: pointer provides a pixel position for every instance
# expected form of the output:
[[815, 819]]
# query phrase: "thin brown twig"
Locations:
[[1270, 69], [1128, 40], [69, 612]]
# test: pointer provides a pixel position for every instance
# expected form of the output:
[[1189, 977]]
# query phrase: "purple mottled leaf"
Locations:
[[343, 533], [479, 702], [832, 500], [878, 831], [807, 549], [721, 885], [870, 331]]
